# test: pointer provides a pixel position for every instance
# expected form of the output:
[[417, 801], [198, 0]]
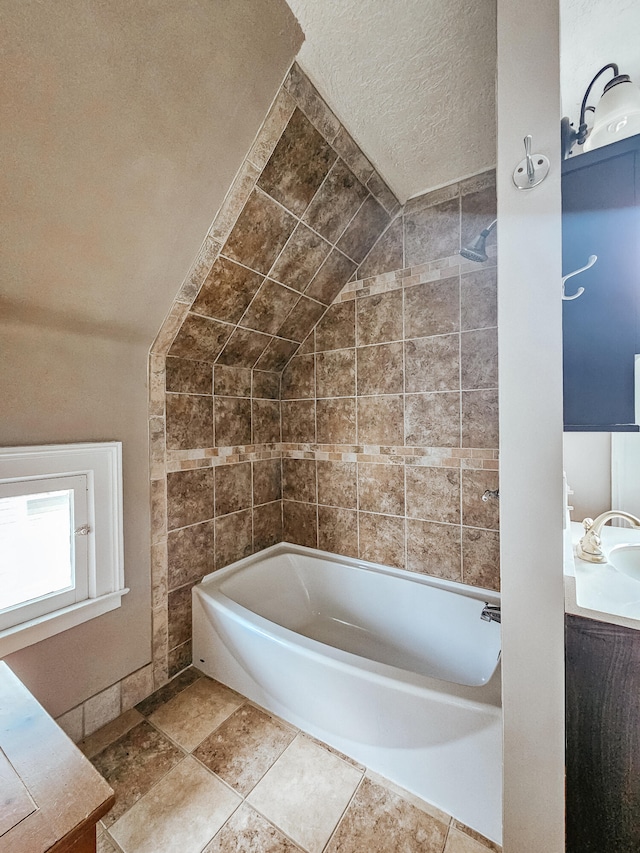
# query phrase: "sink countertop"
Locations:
[[597, 590]]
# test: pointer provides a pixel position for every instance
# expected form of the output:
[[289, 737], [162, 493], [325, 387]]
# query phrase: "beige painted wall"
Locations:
[[121, 128]]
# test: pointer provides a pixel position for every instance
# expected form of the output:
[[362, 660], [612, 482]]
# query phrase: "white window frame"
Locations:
[[101, 464]]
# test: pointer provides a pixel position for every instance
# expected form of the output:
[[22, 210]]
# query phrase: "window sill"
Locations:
[[28, 633]]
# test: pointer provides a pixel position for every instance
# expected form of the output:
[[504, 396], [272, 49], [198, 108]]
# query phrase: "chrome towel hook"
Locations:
[[532, 170], [565, 278]]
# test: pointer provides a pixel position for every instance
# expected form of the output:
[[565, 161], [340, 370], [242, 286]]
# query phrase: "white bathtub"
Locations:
[[394, 669]]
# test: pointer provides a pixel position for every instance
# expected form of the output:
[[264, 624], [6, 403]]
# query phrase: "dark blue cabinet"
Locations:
[[601, 329]]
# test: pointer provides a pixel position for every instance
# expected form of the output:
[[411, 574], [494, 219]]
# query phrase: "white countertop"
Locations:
[[597, 590]]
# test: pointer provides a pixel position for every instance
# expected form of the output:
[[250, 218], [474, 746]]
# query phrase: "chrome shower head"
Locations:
[[476, 249]]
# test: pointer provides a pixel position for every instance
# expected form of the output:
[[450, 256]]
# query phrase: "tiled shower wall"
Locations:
[[390, 409], [303, 213]]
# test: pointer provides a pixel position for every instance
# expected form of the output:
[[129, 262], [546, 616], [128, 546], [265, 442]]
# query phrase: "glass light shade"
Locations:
[[617, 116]]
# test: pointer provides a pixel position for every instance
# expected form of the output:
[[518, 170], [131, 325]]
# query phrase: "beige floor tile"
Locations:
[[179, 815], [95, 743], [466, 830], [193, 714], [248, 832], [436, 813], [103, 843], [460, 842], [305, 793]]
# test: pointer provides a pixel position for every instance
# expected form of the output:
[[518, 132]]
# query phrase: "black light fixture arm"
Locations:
[[570, 136]]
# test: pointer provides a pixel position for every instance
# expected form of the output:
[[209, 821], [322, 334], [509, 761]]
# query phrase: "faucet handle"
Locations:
[[587, 523]]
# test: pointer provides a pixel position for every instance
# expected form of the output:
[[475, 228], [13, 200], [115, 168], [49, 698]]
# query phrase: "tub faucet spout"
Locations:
[[490, 612], [590, 546]]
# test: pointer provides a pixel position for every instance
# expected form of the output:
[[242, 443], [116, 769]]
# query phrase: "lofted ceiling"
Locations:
[[412, 80]]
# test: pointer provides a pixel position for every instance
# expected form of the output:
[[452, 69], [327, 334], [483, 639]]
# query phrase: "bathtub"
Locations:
[[392, 668]]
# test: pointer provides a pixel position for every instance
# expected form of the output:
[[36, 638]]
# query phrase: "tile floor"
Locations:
[[197, 768]]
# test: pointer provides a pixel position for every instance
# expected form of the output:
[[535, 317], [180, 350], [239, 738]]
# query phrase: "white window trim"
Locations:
[[102, 462]]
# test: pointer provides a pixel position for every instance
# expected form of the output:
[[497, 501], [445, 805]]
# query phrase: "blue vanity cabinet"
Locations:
[[601, 328]]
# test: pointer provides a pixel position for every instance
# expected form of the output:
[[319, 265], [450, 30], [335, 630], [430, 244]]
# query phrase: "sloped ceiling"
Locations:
[[413, 80]]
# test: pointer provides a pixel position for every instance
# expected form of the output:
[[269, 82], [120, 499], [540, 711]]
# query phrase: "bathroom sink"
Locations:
[[626, 559]]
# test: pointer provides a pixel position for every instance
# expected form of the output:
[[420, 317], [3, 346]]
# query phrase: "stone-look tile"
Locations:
[[432, 364], [379, 819], [299, 480], [460, 842], [380, 420], [379, 318], [269, 307], [231, 381], [188, 377], [260, 233], [475, 511], [479, 209], [481, 558], [167, 691], [336, 420], [432, 233], [336, 202], [159, 574], [479, 419], [133, 764], [337, 484], [336, 373], [383, 194], [307, 98], [298, 165], [157, 445], [248, 832], [302, 319], [298, 420], [232, 421], [381, 539], [103, 737], [474, 184], [136, 687], [277, 119], [72, 723], [428, 199], [179, 815], [190, 554], [386, 254], [200, 338], [306, 792], [233, 487], [157, 384], [433, 494], [276, 355], [337, 329], [363, 230], [233, 538], [300, 524], [432, 308], [195, 712], [265, 421], [234, 201], [298, 378], [160, 643], [244, 747], [434, 549], [461, 828], [266, 385], [244, 348], [301, 258], [227, 291], [308, 346], [189, 421], [338, 530], [170, 326], [267, 482], [352, 155], [104, 844], [381, 488], [189, 497], [479, 359], [101, 708], [332, 276], [433, 420], [207, 253], [180, 658], [380, 369], [158, 509], [479, 299], [267, 525], [179, 615]]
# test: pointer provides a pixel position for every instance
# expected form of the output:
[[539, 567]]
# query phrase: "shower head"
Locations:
[[476, 249]]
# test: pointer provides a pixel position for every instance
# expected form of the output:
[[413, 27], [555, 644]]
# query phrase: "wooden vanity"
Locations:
[[51, 797]]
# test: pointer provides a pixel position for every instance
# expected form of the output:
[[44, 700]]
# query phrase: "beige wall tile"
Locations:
[[300, 524], [379, 318], [434, 549], [433, 494], [381, 420], [72, 723], [381, 488], [381, 539], [337, 484], [136, 687], [481, 558], [338, 530], [101, 708], [234, 538], [380, 369]]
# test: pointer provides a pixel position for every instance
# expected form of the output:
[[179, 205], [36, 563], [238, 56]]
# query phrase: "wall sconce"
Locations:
[[617, 115]]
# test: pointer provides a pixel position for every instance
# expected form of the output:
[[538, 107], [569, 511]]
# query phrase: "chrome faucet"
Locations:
[[490, 612], [590, 546]]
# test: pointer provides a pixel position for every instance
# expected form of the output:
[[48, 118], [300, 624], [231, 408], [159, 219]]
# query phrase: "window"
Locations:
[[60, 539]]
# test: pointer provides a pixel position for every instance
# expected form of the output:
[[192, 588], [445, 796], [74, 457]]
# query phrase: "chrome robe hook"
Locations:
[[532, 170]]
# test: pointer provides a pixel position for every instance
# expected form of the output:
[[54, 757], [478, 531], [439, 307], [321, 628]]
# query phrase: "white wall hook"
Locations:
[[532, 170], [565, 278]]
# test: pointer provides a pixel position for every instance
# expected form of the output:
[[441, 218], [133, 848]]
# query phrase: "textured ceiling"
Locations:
[[594, 33], [413, 80]]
